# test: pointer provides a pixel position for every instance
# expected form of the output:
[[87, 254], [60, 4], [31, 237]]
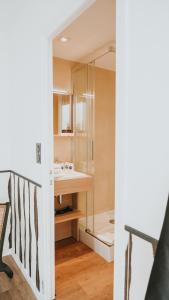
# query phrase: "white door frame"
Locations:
[[47, 142]]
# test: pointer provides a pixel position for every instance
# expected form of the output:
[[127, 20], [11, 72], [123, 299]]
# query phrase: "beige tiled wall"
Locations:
[[104, 140]]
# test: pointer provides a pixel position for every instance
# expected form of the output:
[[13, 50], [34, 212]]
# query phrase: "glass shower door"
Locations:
[[83, 140], [93, 144]]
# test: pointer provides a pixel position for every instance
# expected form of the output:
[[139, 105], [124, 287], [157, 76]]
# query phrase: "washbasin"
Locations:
[[69, 181], [64, 175]]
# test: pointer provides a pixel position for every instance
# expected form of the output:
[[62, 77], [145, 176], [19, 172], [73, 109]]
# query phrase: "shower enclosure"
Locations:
[[92, 106]]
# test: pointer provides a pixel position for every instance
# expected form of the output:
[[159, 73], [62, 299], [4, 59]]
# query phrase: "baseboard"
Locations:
[[32, 285], [6, 252]]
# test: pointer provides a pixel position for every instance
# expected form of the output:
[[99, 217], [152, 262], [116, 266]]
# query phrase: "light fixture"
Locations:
[[63, 39], [60, 91], [88, 95]]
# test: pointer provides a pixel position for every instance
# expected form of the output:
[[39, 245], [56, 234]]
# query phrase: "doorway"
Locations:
[[84, 155]]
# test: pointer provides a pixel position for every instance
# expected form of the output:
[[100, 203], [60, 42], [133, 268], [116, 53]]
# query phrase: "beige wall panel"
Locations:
[[61, 80], [55, 114], [63, 231], [62, 148], [62, 74], [104, 140]]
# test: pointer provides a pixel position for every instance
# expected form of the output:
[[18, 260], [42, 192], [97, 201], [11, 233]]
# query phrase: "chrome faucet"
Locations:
[[60, 200]]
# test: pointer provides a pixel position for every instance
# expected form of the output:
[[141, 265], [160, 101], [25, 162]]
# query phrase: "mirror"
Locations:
[[62, 114]]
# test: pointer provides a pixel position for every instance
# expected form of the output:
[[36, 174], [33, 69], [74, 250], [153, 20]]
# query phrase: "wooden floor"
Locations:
[[15, 288], [81, 274]]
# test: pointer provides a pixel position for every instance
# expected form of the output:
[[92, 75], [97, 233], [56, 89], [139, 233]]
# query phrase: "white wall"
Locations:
[[5, 118], [142, 114], [142, 148], [4, 89], [25, 64], [33, 24]]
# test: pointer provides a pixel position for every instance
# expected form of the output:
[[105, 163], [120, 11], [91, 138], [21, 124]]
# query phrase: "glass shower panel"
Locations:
[[104, 148], [94, 142], [83, 107], [80, 115]]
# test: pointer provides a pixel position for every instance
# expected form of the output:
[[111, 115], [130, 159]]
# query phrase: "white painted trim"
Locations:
[[47, 153], [72, 18], [31, 283], [6, 252], [121, 142]]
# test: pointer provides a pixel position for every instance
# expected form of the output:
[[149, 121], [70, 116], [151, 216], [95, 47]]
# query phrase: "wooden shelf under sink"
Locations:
[[75, 185], [69, 216]]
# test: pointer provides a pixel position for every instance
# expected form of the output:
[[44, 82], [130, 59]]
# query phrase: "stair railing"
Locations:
[[128, 255], [18, 193]]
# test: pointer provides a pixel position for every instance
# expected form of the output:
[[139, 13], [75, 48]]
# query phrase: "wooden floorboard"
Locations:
[[16, 288], [81, 273]]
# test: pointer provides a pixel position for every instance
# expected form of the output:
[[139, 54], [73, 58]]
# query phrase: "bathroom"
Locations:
[[84, 151]]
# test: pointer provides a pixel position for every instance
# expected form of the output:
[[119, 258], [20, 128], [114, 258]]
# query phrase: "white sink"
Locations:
[[64, 175]]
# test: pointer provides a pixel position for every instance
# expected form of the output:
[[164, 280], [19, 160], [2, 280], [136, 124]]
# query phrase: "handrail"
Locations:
[[18, 191], [128, 255], [141, 235], [21, 176]]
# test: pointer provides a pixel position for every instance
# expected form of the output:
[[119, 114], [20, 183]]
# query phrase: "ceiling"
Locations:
[[91, 31]]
